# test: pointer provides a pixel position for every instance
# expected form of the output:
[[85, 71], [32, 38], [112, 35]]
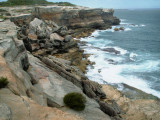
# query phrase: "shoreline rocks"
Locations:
[[53, 65]]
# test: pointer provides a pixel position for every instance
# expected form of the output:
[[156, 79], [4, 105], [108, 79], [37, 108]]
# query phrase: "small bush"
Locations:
[[3, 82], [75, 101]]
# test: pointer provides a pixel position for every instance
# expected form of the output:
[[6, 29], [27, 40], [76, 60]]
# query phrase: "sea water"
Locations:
[[138, 63]]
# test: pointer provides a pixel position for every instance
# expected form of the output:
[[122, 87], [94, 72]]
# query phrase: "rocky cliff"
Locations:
[[77, 18], [41, 61]]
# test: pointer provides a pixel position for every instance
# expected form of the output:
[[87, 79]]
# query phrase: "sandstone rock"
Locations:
[[39, 28], [20, 20], [23, 108], [48, 45], [74, 18], [35, 47], [67, 38], [116, 29], [93, 89], [56, 39], [56, 87], [35, 23], [116, 21], [133, 109], [48, 87], [107, 109], [14, 64], [5, 112], [32, 37], [27, 44]]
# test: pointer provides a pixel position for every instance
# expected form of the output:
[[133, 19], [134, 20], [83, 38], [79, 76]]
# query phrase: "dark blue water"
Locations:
[[138, 63]]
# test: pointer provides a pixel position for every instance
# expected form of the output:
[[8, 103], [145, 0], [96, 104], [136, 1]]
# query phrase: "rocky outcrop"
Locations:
[[133, 109], [34, 85], [77, 18], [13, 107]]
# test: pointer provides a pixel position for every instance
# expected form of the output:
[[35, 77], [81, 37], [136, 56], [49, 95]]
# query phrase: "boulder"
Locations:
[[27, 44], [67, 38], [107, 109], [39, 28], [116, 29], [14, 107], [56, 39], [121, 28], [32, 37], [93, 89], [48, 45], [111, 50]]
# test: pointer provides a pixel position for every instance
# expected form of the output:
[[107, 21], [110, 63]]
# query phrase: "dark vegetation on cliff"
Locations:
[[75, 101], [3, 82], [33, 2]]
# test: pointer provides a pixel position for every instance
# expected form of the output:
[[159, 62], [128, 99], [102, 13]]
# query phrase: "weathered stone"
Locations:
[[74, 18], [39, 28], [35, 47], [55, 36], [112, 50], [56, 39], [5, 112], [48, 45], [27, 44], [93, 89], [107, 109], [23, 108], [21, 20], [14, 64], [42, 45], [116, 29], [121, 28], [32, 37], [67, 38], [144, 109]]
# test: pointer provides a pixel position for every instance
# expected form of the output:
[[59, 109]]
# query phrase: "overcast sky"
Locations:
[[115, 3]]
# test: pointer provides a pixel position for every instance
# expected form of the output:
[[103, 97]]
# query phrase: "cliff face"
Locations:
[[38, 59], [34, 84], [77, 18], [42, 63]]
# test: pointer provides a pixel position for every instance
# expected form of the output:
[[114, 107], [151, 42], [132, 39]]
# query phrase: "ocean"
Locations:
[[131, 56]]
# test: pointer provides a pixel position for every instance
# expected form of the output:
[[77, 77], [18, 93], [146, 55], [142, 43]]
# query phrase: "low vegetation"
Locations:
[[3, 82], [75, 101], [32, 2]]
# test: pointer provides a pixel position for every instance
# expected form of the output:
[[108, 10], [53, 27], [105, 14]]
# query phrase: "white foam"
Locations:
[[127, 29], [95, 33], [124, 23], [133, 56], [122, 20], [142, 25], [147, 66], [103, 71], [112, 74]]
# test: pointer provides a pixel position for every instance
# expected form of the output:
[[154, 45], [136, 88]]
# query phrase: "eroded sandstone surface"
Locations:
[[41, 61]]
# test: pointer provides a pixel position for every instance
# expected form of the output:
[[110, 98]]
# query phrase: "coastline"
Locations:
[[54, 74], [130, 91]]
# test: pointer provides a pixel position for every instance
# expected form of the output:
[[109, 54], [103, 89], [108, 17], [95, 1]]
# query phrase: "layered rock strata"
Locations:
[[39, 77]]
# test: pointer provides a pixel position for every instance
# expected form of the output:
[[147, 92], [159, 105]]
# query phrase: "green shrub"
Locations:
[[3, 82], [75, 101]]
